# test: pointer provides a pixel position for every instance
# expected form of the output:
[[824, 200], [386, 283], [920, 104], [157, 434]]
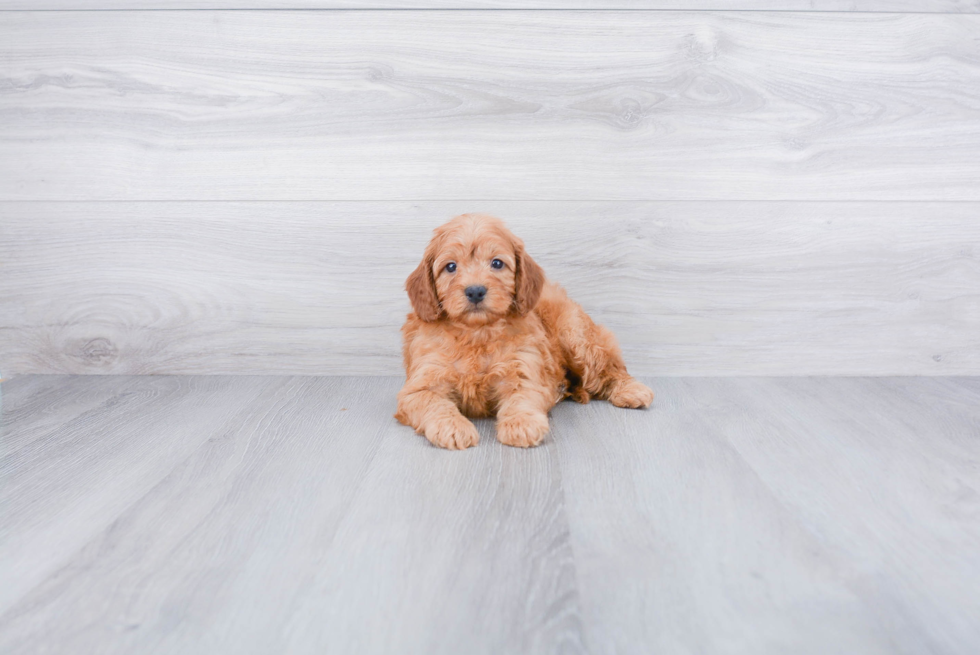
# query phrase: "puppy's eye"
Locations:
[[451, 267], [496, 264]]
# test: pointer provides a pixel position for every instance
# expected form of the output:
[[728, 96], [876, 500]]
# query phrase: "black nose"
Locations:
[[476, 294]]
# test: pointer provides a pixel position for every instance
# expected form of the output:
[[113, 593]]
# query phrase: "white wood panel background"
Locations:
[[690, 288], [769, 193], [438, 105], [926, 6]]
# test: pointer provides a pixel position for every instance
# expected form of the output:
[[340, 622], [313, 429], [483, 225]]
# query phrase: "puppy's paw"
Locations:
[[522, 430], [631, 393], [454, 433]]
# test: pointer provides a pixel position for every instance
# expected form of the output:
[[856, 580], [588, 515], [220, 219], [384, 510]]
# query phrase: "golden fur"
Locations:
[[525, 347]]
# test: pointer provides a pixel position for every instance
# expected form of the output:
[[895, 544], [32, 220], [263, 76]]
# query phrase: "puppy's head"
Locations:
[[474, 271]]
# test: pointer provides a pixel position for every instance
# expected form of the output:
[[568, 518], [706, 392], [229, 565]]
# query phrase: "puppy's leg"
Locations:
[[608, 375], [436, 417], [522, 416], [630, 392]]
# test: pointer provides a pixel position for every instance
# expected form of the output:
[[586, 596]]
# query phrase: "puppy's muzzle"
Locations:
[[476, 294]]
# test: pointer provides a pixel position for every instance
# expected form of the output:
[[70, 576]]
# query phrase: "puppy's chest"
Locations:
[[478, 375]]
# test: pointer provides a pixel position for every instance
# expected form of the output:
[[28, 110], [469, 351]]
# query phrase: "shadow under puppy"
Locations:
[[491, 336]]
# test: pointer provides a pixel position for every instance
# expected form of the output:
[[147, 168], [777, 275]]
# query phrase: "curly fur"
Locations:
[[517, 353]]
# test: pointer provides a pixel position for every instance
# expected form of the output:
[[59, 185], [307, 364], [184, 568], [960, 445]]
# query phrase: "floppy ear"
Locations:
[[528, 282], [421, 289]]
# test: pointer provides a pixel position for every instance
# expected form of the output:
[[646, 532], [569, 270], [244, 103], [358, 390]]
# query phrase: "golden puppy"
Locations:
[[490, 335]]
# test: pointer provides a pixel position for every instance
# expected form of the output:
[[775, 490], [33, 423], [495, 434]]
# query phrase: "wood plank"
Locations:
[[921, 6], [489, 105], [39, 405], [121, 517], [239, 514], [791, 515], [885, 471], [317, 288], [444, 554], [111, 456]]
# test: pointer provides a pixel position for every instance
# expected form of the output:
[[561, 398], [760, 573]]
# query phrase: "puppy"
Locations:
[[491, 336]]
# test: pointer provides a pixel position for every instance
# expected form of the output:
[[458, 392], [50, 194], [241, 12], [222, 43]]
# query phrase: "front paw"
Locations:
[[631, 393], [453, 433], [523, 430]]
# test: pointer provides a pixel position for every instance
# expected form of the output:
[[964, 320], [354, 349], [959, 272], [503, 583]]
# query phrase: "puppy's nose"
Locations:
[[476, 294]]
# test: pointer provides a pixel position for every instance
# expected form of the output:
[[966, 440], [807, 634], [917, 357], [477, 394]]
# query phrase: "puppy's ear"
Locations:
[[528, 282], [421, 287]]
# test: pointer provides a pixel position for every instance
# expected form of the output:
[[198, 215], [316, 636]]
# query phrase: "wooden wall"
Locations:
[[774, 187]]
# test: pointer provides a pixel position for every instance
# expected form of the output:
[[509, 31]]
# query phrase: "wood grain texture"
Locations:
[[920, 6], [773, 516], [39, 404], [254, 515], [317, 288], [475, 550], [284, 500], [489, 105], [112, 455]]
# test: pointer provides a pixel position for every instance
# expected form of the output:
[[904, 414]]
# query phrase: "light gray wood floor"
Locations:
[[294, 515]]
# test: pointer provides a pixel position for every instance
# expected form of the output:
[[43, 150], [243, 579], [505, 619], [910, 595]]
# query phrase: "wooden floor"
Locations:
[[294, 515]]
